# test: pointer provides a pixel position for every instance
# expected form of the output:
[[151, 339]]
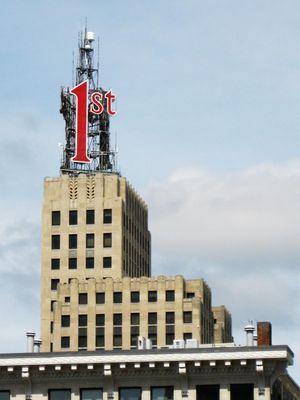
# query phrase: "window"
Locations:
[[54, 284], [59, 394], [65, 321], [117, 297], [65, 342], [82, 341], [72, 241], [73, 217], [152, 296], [100, 298], [55, 242], [67, 299], [162, 393], [170, 317], [55, 217], [187, 317], [100, 320], [190, 295], [100, 337], [72, 263], [82, 298], [55, 263], [107, 216], [90, 216], [117, 319], [107, 262], [89, 262], [134, 334], [4, 394], [91, 394], [135, 318], [152, 318], [170, 295], [82, 320], [130, 393], [187, 335], [107, 240], [52, 305], [90, 241], [135, 297]]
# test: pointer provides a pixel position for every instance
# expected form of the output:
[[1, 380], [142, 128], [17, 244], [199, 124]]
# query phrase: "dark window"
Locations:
[[72, 263], [117, 340], [4, 394], [82, 320], [135, 297], [152, 296], [190, 295], [51, 327], [65, 342], [117, 297], [130, 393], [91, 394], [117, 319], [241, 391], [100, 319], [100, 338], [59, 394], [169, 338], [54, 283], [187, 317], [55, 217], [82, 298], [107, 262], [55, 263], [187, 335], [90, 216], [72, 241], [73, 217], [65, 321], [135, 318], [90, 240], [107, 216], [162, 393], [52, 305], [67, 299], [100, 298], [170, 295], [89, 262], [82, 341], [55, 242], [170, 329], [210, 392], [107, 240], [152, 318], [170, 317]]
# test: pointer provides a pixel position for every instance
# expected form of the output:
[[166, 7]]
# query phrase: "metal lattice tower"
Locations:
[[103, 158]]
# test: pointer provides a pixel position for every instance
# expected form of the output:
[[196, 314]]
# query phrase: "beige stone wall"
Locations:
[[198, 304], [222, 325], [131, 242]]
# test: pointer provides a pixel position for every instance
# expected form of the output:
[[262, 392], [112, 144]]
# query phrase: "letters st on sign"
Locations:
[[81, 92]]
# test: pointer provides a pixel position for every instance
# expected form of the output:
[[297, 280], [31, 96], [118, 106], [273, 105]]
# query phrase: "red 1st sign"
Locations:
[[81, 92]]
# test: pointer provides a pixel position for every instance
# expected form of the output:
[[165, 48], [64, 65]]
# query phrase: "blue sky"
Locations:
[[208, 130]]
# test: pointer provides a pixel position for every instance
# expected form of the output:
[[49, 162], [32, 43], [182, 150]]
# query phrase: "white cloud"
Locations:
[[240, 231]]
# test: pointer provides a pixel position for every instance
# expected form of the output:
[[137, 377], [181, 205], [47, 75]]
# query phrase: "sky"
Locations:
[[208, 130]]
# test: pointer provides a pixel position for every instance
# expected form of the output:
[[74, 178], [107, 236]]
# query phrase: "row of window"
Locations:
[[118, 319], [89, 263], [90, 217], [127, 393], [90, 241], [118, 296]]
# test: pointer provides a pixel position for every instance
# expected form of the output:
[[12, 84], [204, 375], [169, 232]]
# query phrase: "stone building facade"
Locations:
[[222, 325]]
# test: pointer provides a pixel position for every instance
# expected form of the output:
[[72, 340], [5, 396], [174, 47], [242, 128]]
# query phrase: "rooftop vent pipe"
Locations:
[[249, 329], [30, 341], [37, 345]]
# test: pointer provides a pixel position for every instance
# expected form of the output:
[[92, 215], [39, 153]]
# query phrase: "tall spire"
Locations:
[[99, 152]]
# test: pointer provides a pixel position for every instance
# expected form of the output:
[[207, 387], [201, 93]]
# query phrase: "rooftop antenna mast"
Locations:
[[103, 158]]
